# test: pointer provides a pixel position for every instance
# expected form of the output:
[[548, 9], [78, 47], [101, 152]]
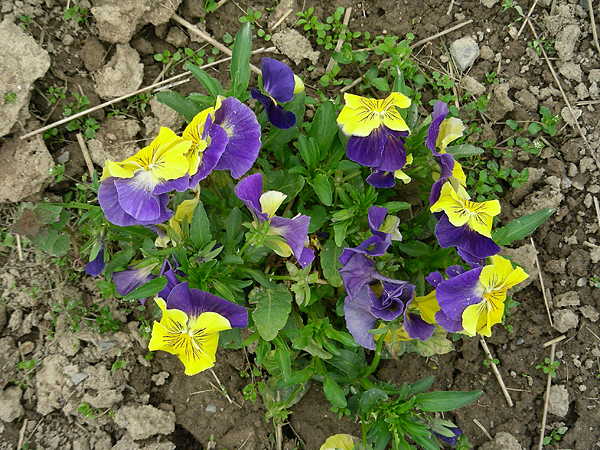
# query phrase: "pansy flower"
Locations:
[[96, 265], [224, 137], [128, 280], [190, 325], [476, 297], [465, 225], [382, 179], [135, 191], [279, 84], [446, 433], [384, 229], [364, 309], [340, 442], [376, 131], [285, 237]]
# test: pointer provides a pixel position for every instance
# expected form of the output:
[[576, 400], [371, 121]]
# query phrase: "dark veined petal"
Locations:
[[416, 327], [136, 198], [368, 150], [243, 131], [394, 155], [95, 267], [108, 198], [381, 179], [180, 185], [465, 239], [278, 80], [359, 319], [307, 256], [277, 116], [448, 324], [132, 278], [357, 272]]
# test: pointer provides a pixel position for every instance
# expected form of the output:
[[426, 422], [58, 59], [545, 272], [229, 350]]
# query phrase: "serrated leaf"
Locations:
[[464, 151], [187, 108], [521, 228], [149, 289], [200, 227], [273, 307], [330, 263], [445, 401]]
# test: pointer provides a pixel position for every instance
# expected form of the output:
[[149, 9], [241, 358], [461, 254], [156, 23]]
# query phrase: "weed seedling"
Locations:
[[26, 22], [549, 367], [79, 15], [555, 436], [487, 362], [10, 97]]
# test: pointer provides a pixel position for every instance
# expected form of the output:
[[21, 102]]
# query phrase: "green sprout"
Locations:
[[549, 367]]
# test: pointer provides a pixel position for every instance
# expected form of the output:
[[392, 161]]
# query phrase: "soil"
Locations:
[[151, 404]]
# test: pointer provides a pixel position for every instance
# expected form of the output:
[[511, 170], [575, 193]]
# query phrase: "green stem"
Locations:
[[291, 397], [375, 362]]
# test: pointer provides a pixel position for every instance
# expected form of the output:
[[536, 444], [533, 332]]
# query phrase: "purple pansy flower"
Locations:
[[447, 439], [279, 86], [284, 236], [133, 277], [97, 265]]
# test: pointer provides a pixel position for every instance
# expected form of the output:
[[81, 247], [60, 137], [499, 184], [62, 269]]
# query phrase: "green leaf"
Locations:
[[288, 183], [283, 360], [187, 108], [240, 60], [370, 398], [415, 248], [200, 227], [212, 86], [421, 385], [445, 401], [464, 151], [273, 307], [147, 290], [330, 263], [380, 84], [521, 227], [334, 393], [534, 128], [309, 151], [324, 128], [232, 228], [323, 189], [425, 441]]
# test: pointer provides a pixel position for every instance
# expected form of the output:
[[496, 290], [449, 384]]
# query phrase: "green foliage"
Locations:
[[87, 126], [10, 97], [43, 225], [521, 227], [549, 367], [555, 436], [79, 15]]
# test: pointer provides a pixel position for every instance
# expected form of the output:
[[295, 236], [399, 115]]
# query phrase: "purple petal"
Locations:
[[472, 260], [390, 305], [195, 302], [454, 271], [463, 238], [293, 231], [417, 328], [249, 191], [376, 217], [243, 131], [278, 80], [136, 199], [114, 212], [180, 185], [449, 440], [359, 320], [170, 274], [307, 256], [446, 163], [394, 155], [132, 278], [368, 150], [95, 267], [381, 179], [211, 155], [440, 111], [452, 326], [455, 294], [434, 278], [357, 272]]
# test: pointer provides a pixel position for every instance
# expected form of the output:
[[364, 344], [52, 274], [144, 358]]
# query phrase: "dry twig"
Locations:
[[19, 248], [22, 434], [593, 22], [480, 425], [86, 154], [441, 33], [488, 354], [547, 399], [554, 341], [537, 261], [597, 210], [340, 41], [276, 24], [526, 20]]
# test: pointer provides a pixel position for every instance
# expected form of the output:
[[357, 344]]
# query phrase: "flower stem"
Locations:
[[375, 362]]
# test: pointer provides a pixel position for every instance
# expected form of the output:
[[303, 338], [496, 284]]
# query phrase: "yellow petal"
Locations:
[[339, 442], [354, 122], [361, 115], [474, 318], [495, 302], [459, 174], [186, 209], [298, 84], [428, 306], [193, 132], [450, 130], [270, 201]]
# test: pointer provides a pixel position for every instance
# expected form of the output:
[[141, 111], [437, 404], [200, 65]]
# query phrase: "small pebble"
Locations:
[[211, 409], [64, 157], [520, 341], [78, 378], [107, 345]]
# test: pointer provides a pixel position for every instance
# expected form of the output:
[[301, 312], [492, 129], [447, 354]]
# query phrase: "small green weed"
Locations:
[[10, 97], [58, 172], [26, 22], [251, 16], [555, 436], [87, 126], [79, 15], [549, 367], [26, 369], [487, 362]]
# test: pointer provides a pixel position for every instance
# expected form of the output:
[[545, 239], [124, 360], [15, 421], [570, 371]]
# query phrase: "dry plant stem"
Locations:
[[554, 341], [221, 386], [547, 399], [289, 11], [594, 334], [139, 91], [537, 261], [208, 39], [450, 7], [22, 434], [553, 8], [488, 354], [86, 154], [593, 22], [441, 33], [163, 71], [454, 90], [340, 41], [597, 206], [526, 19], [221, 3], [19, 248], [587, 144], [480, 425]]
